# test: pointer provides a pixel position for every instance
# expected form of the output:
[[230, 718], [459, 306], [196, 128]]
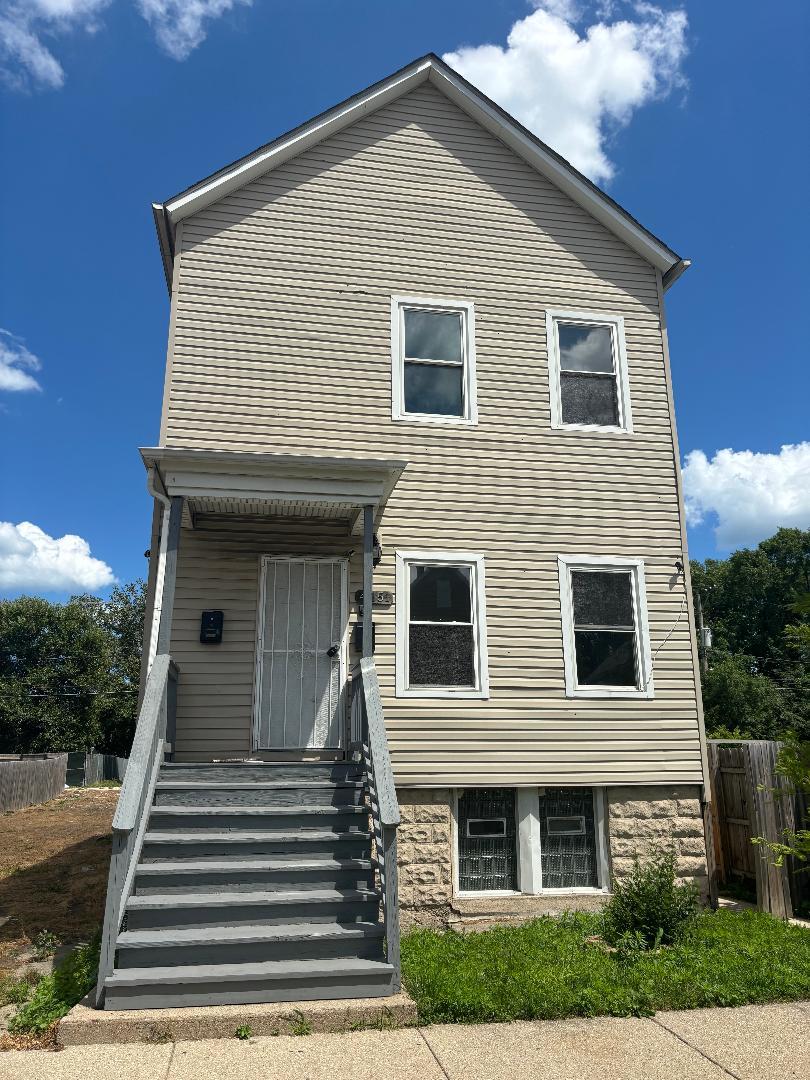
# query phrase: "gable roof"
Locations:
[[470, 100]]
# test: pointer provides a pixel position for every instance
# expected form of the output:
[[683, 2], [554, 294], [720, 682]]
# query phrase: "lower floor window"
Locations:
[[568, 856], [487, 840], [530, 840]]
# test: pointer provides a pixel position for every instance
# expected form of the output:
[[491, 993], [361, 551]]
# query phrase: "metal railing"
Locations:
[[132, 812], [368, 731]]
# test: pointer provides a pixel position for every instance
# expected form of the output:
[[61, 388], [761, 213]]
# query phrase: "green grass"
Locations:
[[56, 994], [548, 969]]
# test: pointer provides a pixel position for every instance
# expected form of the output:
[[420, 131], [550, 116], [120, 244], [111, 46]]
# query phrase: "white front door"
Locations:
[[300, 668]]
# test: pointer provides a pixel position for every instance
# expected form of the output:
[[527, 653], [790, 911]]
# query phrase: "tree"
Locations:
[[758, 682], [69, 672]]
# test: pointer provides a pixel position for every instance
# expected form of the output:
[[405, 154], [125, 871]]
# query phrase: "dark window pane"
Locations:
[[585, 348], [589, 399], [487, 862], [434, 389], [568, 861], [606, 657], [486, 827], [441, 656], [432, 335], [440, 594], [602, 598]]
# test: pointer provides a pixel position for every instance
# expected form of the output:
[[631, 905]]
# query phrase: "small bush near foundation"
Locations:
[[56, 994], [649, 907], [557, 967]]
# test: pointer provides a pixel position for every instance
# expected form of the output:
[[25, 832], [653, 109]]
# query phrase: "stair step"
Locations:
[[244, 875], [260, 842], [242, 984], [246, 771], [249, 942], [259, 793]]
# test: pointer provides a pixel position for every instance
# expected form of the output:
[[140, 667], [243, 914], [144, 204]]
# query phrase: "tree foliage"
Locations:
[[758, 682], [69, 672]]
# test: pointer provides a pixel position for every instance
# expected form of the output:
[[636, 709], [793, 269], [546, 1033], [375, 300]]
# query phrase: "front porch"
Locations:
[[254, 843]]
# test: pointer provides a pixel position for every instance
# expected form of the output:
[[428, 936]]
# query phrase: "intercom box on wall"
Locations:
[[211, 627]]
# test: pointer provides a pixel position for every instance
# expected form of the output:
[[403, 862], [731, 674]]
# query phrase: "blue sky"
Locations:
[[107, 105]]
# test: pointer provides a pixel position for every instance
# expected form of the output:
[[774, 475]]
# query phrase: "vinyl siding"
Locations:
[[281, 342]]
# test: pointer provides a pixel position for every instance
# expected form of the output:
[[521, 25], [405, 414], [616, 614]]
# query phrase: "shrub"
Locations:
[[57, 993], [649, 904]]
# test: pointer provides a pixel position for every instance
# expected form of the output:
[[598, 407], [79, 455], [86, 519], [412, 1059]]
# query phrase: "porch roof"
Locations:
[[248, 484]]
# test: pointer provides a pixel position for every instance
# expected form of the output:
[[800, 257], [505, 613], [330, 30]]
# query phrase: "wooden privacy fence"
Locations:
[[743, 778], [26, 780], [84, 770]]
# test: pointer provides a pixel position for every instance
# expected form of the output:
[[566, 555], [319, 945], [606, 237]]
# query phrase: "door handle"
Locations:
[[333, 651]]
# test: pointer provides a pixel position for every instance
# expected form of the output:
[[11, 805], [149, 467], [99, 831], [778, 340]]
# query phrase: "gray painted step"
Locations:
[[164, 818], [242, 984], [251, 770], [258, 793], [270, 875], [222, 908], [249, 944], [345, 844]]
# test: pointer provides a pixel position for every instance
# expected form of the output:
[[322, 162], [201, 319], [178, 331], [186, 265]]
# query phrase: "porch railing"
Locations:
[[155, 719], [368, 730]]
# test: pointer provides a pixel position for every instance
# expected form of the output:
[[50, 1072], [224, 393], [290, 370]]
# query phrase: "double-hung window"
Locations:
[[441, 625], [433, 361], [605, 632], [588, 371]]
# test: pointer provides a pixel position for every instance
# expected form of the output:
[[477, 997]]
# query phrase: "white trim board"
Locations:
[[471, 101]]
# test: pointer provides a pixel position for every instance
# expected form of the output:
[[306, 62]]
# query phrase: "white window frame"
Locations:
[[478, 606], [635, 567], [591, 318], [528, 849], [467, 311]]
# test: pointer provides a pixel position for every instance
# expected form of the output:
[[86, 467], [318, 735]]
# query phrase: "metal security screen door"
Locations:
[[300, 658]]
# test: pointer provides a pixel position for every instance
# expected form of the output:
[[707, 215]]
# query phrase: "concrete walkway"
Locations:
[[769, 1042]]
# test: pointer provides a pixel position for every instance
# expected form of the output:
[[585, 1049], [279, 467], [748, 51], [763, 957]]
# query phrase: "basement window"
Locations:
[[441, 635], [433, 361], [569, 857], [588, 372], [605, 634], [487, 840]]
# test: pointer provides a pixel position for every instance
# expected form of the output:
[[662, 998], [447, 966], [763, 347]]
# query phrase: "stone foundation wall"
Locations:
[[637, 819], [642, 818]]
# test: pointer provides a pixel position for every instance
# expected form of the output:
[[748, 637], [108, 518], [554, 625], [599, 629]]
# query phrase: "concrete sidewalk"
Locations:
[[769, 1042]]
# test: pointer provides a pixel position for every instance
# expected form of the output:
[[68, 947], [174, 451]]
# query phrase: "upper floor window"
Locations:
[[433, 355], [605, 634], [588, 371], [441, 631]]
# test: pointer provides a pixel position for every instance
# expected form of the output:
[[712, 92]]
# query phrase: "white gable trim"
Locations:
[[471, 101]]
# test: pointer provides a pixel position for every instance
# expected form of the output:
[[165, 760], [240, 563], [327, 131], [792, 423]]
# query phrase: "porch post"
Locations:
[[368, 578], [169, 574]]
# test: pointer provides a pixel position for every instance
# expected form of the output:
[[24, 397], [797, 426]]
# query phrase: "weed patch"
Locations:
[[56, 994], [552, 968]]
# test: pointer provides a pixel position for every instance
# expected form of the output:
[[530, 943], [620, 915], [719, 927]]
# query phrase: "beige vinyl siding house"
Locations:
[[289, 301]]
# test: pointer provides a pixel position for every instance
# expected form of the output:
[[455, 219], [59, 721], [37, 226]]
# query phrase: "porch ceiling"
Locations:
[[222, 482]]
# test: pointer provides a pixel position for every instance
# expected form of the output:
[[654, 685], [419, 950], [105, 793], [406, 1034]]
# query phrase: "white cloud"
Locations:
[[750, 494], [26, 27], [16, 364], [180, 24], [30, 559], [573, 85]]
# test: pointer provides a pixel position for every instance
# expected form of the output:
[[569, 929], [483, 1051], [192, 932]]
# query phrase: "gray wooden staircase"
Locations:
[[254, 882]]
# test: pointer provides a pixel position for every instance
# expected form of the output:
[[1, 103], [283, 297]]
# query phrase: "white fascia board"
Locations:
[[563, 177], [242, 173]]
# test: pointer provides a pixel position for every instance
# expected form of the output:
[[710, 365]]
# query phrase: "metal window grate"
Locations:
[[568, 859], [487, 862]]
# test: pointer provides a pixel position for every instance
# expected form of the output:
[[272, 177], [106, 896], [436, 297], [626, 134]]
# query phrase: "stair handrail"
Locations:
[[383, 802], [132, 811]]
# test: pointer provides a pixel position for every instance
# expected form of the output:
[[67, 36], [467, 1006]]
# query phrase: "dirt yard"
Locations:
[[54, 860]]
